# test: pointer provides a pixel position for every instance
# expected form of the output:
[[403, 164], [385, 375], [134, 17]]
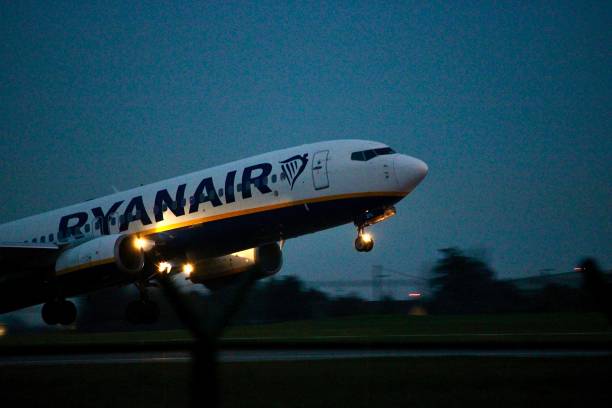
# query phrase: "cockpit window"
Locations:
[[366, 155], [358, 156], [369, 154], [383, 151]]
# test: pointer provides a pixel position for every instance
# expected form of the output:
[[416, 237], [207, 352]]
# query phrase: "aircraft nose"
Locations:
[[409, 171]]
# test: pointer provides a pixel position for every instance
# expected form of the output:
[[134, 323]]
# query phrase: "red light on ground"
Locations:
[[414, 295]]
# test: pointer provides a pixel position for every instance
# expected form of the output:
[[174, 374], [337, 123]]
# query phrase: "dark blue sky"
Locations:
[[509, 104]]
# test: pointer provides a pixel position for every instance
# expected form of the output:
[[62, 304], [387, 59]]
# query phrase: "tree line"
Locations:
[[460, 284]]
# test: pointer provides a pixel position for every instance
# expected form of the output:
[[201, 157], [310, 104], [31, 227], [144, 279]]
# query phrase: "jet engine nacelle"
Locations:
[[120, 248], [265, 261]]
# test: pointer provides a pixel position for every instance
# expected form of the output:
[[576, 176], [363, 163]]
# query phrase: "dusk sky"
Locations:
[[510, 105]]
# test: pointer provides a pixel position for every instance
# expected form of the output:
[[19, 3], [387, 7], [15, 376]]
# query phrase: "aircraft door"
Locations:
[[96, 227], [113, 224], [319, 170], [91, 230]]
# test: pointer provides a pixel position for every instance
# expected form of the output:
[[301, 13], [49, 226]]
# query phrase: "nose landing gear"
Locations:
[[364, 241]]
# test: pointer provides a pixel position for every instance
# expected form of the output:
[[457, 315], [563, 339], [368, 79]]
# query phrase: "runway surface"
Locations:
[[282, 355]]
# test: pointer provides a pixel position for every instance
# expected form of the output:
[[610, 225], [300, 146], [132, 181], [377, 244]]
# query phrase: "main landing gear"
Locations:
[[59, 311], [143, 310], [364, 241]]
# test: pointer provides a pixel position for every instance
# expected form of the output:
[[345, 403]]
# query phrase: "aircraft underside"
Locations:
[[210, 239]]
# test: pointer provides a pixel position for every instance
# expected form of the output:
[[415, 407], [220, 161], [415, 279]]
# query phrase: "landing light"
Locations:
[[366, 237], [164, 267], [188, 269], [143, 244]]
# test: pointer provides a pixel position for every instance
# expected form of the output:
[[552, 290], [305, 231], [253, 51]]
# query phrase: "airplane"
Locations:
[[211, 225]]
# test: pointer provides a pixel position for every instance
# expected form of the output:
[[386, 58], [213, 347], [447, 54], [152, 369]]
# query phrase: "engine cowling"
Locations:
[[119, 249], [265, 260]]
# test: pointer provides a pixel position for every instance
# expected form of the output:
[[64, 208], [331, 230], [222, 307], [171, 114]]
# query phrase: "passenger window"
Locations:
[[42, 239], [239, 187], [283, 176], [87, 228], [164, 207], [273, 178], [34, 240], [113, 221], [220, 192], [50, 237]]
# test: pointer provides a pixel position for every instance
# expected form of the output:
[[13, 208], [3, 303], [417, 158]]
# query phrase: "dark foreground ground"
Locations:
[[388, 382], [504, 328], [423, 381]]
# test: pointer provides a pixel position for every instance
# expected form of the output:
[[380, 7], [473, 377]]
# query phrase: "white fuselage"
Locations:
[[339, 177]]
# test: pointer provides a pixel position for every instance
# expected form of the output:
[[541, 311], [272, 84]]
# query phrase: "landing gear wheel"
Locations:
[[132, 312], [50, 313], [364, 241], [59, 312], [150, 313], [142, 311], [363, 245], [67, 312]]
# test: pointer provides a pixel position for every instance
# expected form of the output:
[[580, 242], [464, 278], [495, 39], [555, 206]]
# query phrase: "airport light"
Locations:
[[164, 267], [188, 269]]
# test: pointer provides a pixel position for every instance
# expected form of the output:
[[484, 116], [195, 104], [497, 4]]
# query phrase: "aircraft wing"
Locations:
[[28, 253]]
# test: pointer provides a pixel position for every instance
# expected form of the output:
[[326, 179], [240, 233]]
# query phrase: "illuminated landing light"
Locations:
[[164, 267], [366, 237], [414, 295], [188, 269], [2, 330], [143, 244]]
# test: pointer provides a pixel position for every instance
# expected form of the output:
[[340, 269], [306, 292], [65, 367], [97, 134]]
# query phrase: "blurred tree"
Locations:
[[348, 305], [464, 284], [287, 299]]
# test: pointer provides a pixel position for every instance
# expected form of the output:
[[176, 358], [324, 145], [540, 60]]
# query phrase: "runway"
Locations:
[[246, 356]]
